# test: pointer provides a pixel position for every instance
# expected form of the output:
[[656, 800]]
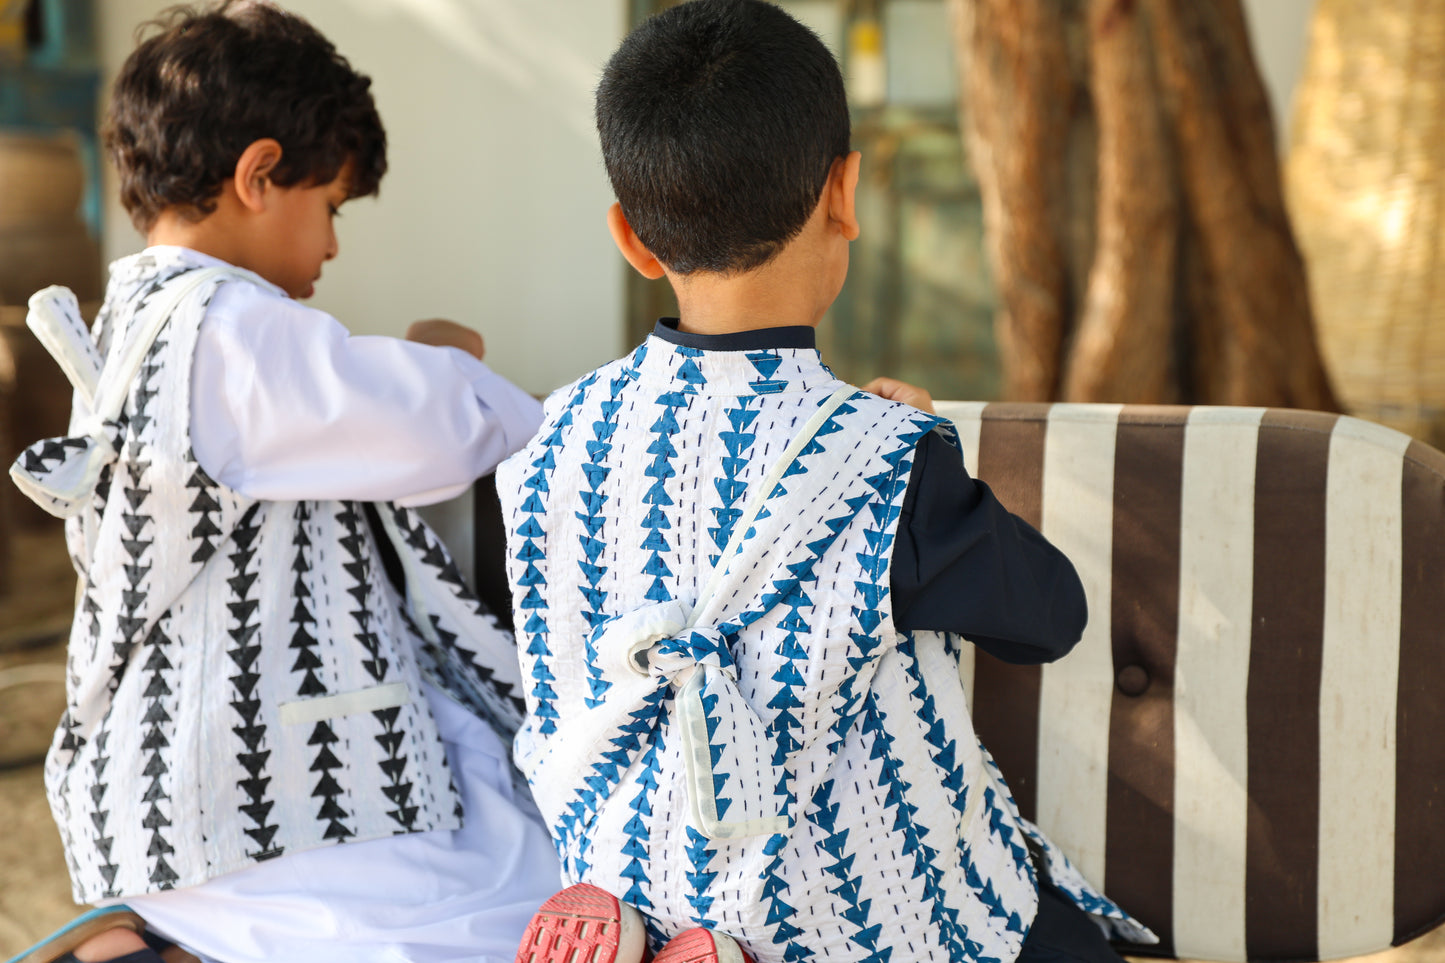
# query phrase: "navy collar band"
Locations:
[[760, 339]]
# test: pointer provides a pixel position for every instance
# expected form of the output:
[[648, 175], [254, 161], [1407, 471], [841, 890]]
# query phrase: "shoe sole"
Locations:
[[584, 924], [701, 946]]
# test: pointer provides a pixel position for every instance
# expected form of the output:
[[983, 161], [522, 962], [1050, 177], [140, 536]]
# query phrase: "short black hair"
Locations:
[[211, 80], [720, 120]]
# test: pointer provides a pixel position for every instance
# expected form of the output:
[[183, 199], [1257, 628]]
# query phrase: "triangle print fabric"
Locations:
[[860, 818], [244, 679]]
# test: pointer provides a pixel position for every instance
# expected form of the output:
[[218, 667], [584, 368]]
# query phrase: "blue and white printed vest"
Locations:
[[244, 679], [724, 727]]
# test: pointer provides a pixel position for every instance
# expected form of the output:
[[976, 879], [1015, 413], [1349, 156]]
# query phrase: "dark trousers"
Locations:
[[1062, 933]]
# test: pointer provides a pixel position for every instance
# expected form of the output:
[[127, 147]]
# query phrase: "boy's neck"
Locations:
[[721, 305], [209, 235], [795, 288]]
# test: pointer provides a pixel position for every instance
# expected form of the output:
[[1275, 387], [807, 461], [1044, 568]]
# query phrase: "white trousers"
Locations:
[[423, 897]]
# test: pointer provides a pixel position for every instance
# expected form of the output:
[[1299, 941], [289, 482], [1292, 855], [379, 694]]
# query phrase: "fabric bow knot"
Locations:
[[656, 640], [739, 777], [695, 646], [61, 474], [736, 782]]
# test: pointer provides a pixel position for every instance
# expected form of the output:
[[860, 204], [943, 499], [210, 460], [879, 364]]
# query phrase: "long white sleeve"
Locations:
[[287, 405]]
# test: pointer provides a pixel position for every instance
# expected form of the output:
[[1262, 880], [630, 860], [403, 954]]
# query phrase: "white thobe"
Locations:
[[287, 405]]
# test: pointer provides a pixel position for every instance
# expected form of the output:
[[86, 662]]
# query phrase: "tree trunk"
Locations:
[[1136, 225], [1122, 348], [1021, 175]]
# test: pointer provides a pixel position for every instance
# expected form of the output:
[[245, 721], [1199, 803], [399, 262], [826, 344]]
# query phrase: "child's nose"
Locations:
[[332, 247]]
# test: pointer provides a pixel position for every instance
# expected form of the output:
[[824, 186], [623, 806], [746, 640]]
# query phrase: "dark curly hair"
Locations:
[[720, 120], [211, 81]]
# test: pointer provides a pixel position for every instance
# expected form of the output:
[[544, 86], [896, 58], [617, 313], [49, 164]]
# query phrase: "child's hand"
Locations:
[[895, 390], [447, 334]]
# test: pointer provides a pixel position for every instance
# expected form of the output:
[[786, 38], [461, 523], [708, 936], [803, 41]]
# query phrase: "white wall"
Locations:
[[1280, 32], [493, 210]]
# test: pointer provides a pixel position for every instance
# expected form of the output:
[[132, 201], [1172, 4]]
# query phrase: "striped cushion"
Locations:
[[1247, 750]]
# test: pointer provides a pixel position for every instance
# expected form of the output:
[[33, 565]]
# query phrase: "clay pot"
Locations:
[[42, 238], [42, 242], [41, 179], [33, 258], [8, 495]]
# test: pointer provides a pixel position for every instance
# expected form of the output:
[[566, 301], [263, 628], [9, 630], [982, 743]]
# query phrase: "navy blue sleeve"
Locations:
[[963, 563]]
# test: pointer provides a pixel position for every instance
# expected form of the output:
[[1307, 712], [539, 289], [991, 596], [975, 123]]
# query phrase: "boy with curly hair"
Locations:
[[287, 724]]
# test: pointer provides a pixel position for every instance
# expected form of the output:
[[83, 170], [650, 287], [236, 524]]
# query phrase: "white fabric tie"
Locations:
[[60, 474], [662, 644]]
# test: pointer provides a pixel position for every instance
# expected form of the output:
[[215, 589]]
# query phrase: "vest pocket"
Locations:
[[321, 708]]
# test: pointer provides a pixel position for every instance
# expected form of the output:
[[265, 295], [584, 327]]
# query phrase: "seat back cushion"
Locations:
[[1247, 749]]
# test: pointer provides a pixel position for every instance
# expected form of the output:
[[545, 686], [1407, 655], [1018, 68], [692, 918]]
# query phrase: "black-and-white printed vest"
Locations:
[[244, 676]]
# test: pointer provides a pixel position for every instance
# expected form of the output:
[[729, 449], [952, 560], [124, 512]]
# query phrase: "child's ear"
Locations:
[[631, 245], [842, 189], [253, 171]]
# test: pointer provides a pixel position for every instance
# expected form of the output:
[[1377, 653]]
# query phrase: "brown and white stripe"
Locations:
[[1246, 748]]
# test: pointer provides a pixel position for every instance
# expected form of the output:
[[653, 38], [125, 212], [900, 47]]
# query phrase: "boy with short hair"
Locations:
[[286, 736], [740, 584]]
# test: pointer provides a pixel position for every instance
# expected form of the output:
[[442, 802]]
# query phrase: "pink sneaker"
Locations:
[[701, 946], [583, 924]]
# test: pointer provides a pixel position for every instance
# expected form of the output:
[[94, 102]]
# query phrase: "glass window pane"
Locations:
[[917, 43]]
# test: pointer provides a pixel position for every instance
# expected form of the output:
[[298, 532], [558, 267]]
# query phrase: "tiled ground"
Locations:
[[34, 614]]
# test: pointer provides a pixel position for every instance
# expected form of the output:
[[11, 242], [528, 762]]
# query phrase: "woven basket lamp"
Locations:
[[1366, 189]]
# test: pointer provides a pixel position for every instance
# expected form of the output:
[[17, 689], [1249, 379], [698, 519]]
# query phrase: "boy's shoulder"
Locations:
[[866, 414], [142, 275], [569, 395]]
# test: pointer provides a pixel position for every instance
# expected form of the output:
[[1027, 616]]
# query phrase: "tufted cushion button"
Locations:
[[1133, 680]]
